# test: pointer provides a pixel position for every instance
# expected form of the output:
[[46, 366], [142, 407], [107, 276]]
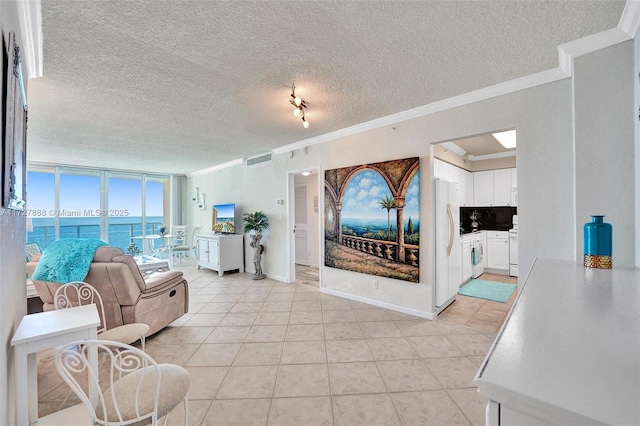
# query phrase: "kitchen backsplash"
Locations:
[[492, 218]]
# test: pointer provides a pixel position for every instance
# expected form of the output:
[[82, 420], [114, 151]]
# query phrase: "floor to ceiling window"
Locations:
[[85, 203], [78, 211], [125, 210], [41, 207]]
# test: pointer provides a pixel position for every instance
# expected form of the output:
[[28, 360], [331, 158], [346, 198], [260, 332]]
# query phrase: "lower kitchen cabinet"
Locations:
[[467, 265], [221, 252], [498, 250]]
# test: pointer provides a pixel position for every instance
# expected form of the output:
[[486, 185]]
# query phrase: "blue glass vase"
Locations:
[[597, 243]]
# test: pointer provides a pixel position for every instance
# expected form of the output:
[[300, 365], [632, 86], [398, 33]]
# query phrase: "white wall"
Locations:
[[547, 185], [604, 146], [541, 115], [13, 291], [636, 120]]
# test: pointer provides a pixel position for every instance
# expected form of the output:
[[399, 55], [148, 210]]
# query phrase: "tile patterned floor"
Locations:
[[480, 314], [269, 353]]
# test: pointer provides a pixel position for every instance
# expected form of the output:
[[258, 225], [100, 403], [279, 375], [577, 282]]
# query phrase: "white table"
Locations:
[[42, 331], [569, 352], [147, 242], [148, 264]]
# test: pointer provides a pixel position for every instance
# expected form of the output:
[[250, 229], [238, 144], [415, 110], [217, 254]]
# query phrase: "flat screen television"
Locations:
[[224, 218]]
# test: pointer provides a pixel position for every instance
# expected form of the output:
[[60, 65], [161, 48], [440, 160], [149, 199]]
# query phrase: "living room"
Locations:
[[561, 122]]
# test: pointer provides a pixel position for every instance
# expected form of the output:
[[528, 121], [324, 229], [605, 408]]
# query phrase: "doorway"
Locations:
[[304, 227]]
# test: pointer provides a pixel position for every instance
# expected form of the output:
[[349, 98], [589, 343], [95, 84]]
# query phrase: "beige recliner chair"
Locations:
[[129, 296]]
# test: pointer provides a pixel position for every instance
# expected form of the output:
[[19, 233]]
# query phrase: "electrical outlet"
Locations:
[[376, 284]]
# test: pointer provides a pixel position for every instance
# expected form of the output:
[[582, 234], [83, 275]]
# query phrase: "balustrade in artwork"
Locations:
[[382, 249]]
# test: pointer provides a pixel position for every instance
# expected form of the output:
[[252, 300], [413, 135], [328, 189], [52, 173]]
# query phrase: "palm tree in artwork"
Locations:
[[387, 202]]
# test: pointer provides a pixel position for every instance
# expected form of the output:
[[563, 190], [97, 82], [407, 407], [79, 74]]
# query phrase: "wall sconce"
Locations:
[[198, 199], [299, 106]]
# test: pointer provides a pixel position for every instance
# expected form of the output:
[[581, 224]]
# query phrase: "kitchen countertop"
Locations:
[[569, 352], [484, 229]]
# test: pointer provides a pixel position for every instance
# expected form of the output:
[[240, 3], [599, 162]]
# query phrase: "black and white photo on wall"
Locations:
[[14, 127]]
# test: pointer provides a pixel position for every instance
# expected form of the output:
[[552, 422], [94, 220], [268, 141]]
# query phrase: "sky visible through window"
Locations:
[[82, 193]]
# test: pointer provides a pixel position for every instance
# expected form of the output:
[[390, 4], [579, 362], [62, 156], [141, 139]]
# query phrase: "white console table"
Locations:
[[224, 252], [42, 331], [569, 352]]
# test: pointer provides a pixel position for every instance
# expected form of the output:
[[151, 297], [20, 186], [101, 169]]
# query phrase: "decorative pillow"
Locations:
[[32, 250]]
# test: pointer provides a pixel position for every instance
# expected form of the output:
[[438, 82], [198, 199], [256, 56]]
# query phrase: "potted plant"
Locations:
[[256, 222]]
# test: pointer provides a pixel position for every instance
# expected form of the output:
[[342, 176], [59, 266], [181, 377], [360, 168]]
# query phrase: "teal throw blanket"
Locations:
[[67, 260]]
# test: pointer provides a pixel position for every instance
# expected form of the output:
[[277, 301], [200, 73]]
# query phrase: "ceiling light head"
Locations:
[[306, 173], [299, 106], [506, 139]]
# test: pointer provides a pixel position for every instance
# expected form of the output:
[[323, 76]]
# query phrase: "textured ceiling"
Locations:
[[179, 86]]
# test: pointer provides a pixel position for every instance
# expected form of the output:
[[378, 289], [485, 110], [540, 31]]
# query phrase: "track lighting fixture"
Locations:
[[299, 106]]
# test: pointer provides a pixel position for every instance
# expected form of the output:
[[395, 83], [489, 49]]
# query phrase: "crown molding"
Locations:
[[507, 87], [30, 17], [630, 19], [226, 165], [492, 156], [454, 148], [567, 52]]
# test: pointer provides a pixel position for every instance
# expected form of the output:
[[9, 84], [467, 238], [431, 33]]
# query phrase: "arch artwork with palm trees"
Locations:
[[372, 218]]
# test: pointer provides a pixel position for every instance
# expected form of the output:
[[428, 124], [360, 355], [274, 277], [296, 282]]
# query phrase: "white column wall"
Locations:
[[603, 86]]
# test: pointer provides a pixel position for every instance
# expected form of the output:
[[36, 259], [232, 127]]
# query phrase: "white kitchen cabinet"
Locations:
[[502, 187], [221, 252], [467, 265], [492, 188], [466, 188], [483, 188], [514, 187], [464, 179], [498, 250]]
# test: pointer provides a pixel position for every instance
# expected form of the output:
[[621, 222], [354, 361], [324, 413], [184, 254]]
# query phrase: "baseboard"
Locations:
[[390, 306]]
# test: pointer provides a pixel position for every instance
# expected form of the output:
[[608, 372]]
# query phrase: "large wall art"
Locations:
[[372, 219], [14, 128]]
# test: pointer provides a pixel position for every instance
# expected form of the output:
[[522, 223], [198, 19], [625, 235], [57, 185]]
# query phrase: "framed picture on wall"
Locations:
[[14, 131]]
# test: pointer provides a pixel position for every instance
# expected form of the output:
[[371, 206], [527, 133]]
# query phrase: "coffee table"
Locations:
[[149, 264]]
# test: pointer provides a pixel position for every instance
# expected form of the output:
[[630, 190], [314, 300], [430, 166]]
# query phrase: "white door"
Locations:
[[301, 225], [214, 253]]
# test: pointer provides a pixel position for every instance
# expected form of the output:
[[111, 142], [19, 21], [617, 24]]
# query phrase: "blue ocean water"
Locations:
[[379, 224], [121, 229]]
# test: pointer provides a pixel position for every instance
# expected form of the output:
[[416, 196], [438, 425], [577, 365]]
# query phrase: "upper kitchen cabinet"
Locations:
[[483, 188], [492, 188], [502, 187], [464, 179], [466, 188]]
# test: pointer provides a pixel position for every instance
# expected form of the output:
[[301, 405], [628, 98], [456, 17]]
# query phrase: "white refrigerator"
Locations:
[[448, 255]]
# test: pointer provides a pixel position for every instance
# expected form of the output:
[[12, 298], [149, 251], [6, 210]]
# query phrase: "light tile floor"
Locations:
[[265, 352], [480, 314]]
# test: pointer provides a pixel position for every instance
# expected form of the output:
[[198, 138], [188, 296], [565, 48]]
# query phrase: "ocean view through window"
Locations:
[[77, 203]]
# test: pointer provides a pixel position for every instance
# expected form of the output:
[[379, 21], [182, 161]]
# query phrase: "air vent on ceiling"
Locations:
[[258, 159]]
